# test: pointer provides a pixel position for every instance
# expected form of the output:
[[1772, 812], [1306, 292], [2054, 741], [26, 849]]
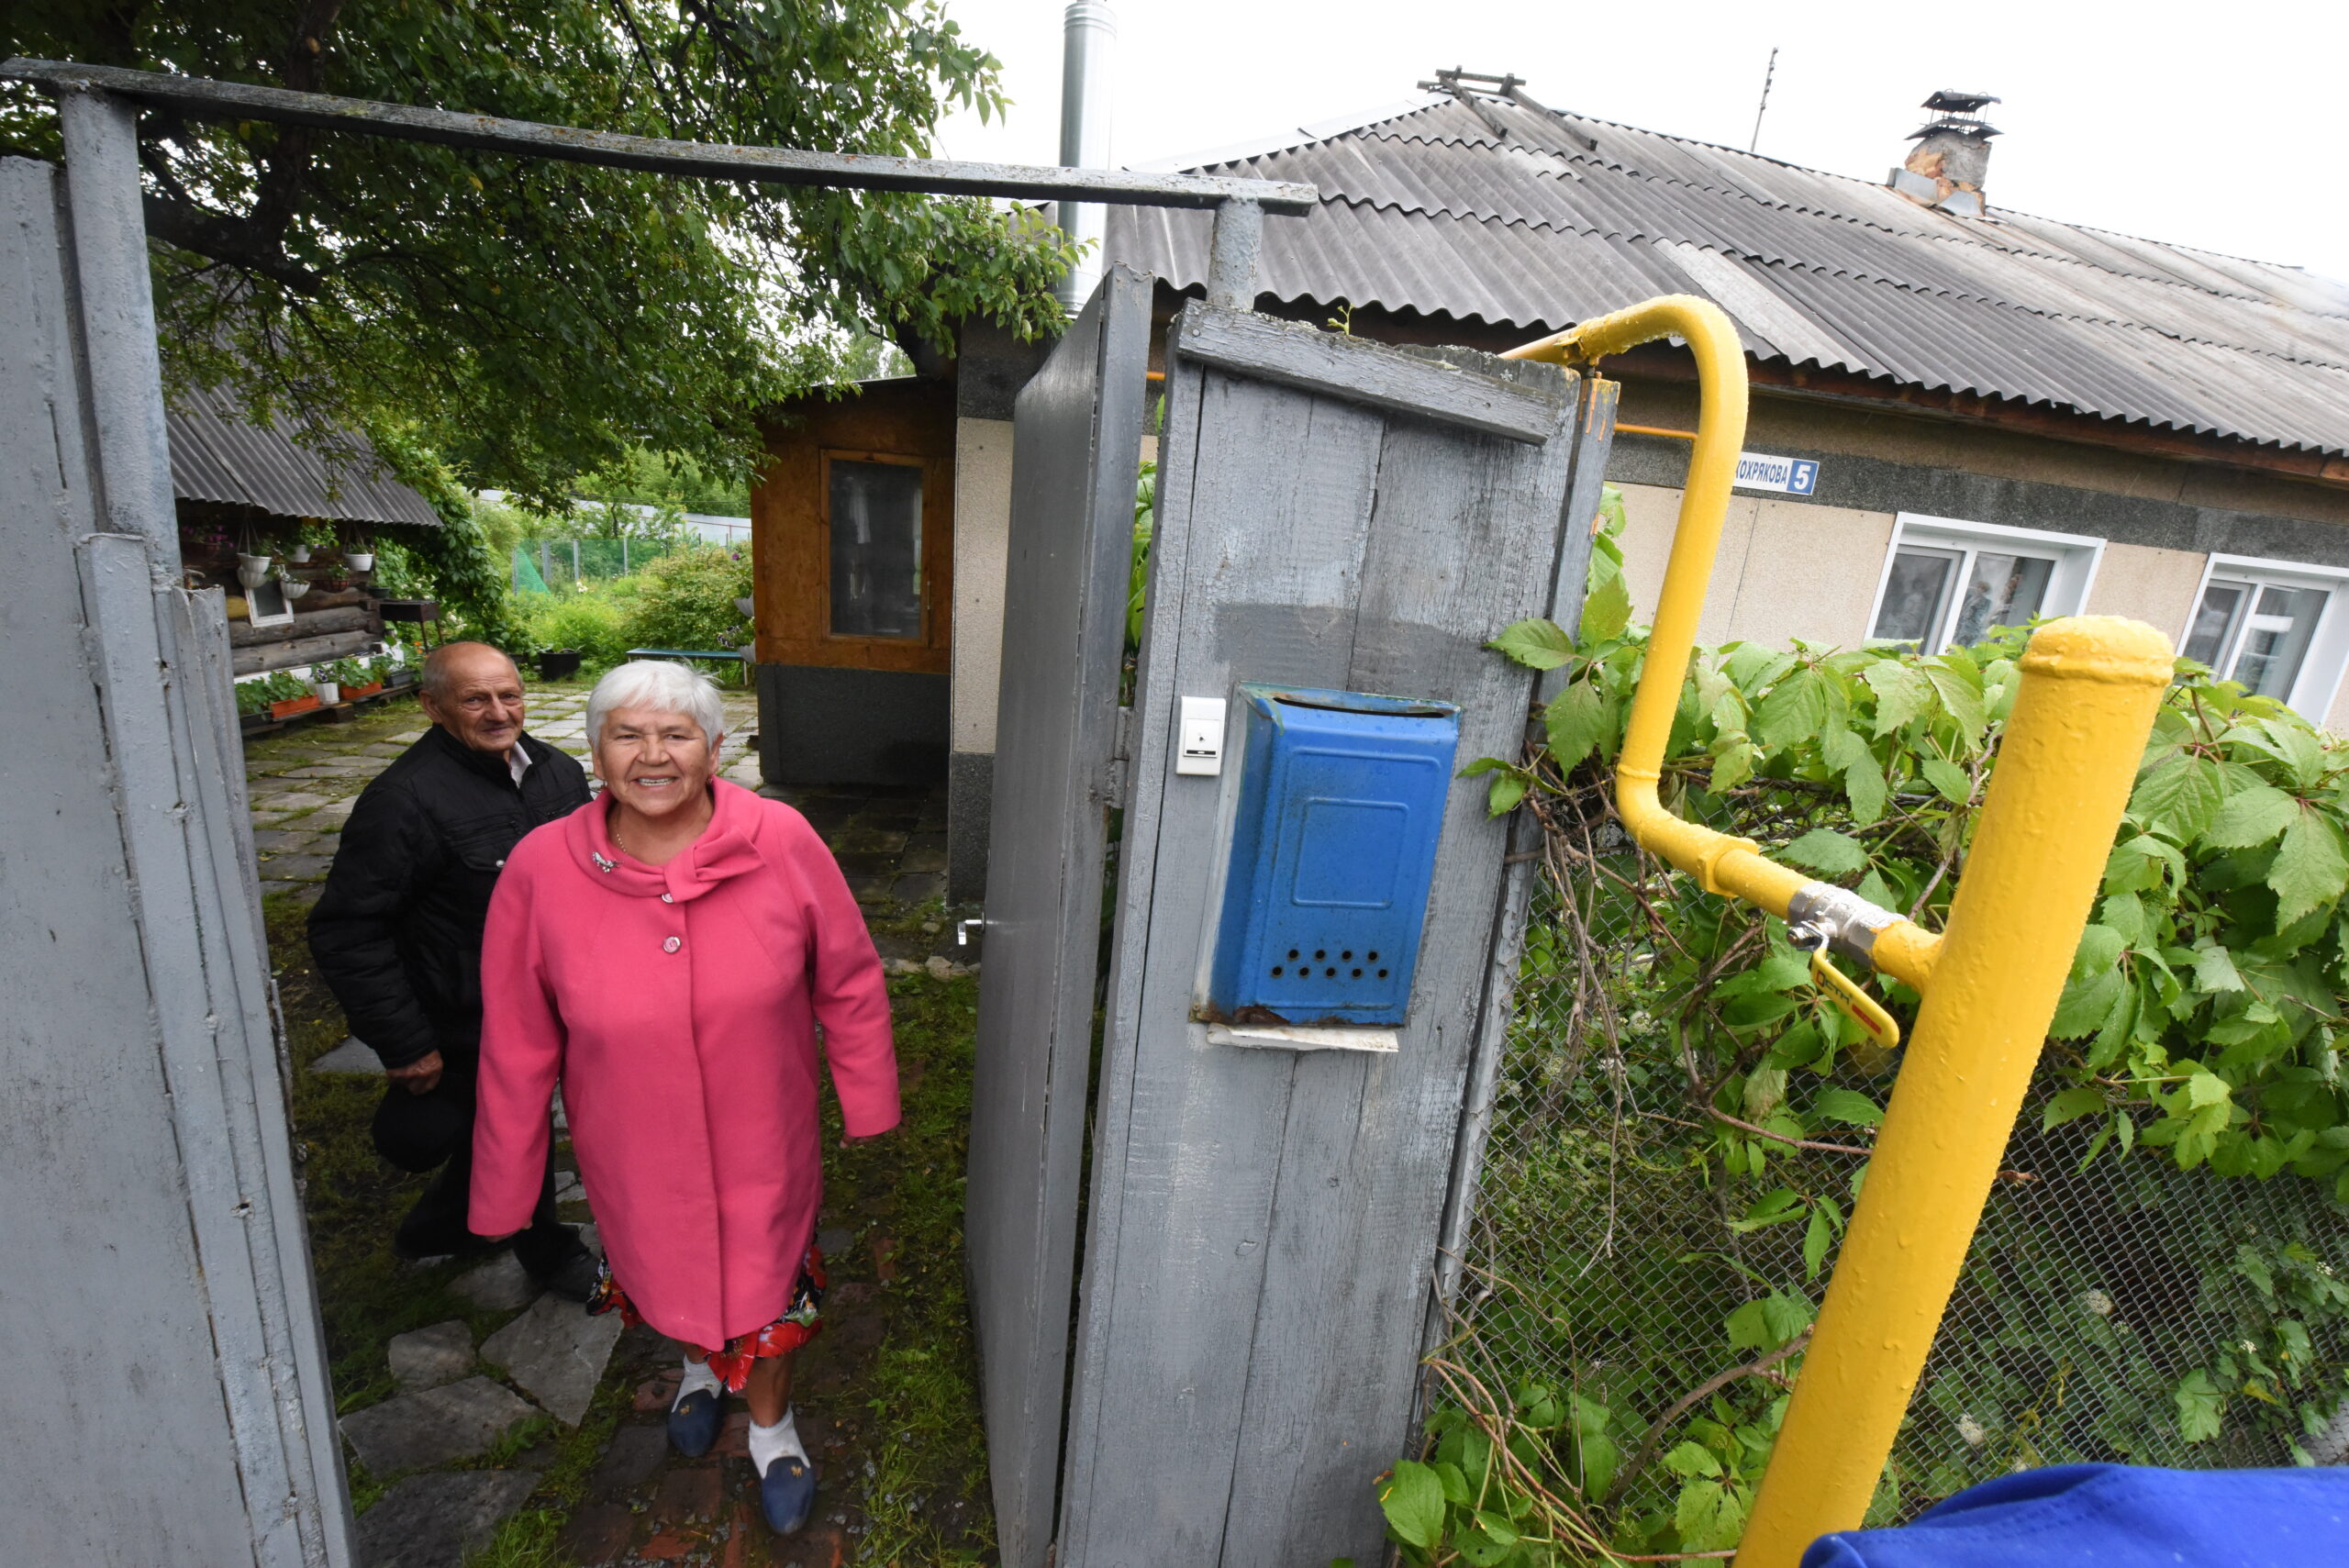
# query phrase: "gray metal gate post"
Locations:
[[1264, 1225], [169, 1400]]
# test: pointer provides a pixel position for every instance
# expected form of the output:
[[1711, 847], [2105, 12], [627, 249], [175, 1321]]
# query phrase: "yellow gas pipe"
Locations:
[[2089, 691]]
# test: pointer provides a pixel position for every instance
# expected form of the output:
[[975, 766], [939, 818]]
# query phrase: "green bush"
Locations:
[[686, 600], [595, 622], [2195, 1041]]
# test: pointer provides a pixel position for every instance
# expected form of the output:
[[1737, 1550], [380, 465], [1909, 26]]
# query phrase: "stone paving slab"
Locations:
[[433, 1521], [288, 800], [501, 1284], [414, 1432], [557, 1353], [429, 1358]]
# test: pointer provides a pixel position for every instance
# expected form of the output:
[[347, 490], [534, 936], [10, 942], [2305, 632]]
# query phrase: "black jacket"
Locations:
[[397, 931]]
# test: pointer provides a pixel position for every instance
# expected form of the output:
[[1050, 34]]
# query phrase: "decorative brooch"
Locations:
[[601, 863]]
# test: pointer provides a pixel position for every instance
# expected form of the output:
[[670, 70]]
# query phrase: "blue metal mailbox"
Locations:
[[1339, 804]]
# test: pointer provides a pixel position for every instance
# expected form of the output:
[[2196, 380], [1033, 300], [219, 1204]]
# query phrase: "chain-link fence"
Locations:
[[2113, 1307], [549, 565]]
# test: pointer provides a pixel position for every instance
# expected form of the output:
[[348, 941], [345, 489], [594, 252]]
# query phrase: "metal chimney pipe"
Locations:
[[1089, 29]]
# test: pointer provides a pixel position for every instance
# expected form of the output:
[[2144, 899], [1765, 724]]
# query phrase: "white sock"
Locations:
[[697, 1377], [779, 1441]]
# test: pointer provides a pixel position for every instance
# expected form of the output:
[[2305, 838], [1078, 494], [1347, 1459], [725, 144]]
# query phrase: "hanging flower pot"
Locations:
[[301, 554], [251, 570], [359, 560]]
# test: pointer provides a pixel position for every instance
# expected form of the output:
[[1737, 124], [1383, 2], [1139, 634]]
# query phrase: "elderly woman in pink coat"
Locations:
[[667, 952]]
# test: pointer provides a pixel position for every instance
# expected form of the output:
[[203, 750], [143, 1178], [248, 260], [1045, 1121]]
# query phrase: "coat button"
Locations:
[[665, 898], [501, 865], [672, 945]]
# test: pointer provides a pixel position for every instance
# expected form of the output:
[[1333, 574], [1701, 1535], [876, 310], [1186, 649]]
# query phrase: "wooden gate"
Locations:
[[1076, 448], [1264, 1223]]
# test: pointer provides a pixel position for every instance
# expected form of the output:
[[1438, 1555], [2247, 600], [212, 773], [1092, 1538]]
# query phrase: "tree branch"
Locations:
[[1748, 1127], [226, 240], [1759, 1367]]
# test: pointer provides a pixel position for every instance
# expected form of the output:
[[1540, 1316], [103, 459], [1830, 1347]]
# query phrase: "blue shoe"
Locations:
[[694, 1422], [787, 1493]]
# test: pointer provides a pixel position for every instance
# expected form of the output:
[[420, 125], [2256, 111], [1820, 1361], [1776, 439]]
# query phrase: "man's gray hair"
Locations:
[[663, 687]]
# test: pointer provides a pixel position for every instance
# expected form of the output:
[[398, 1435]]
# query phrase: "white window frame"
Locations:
[[2076, 558], [2327, 656]]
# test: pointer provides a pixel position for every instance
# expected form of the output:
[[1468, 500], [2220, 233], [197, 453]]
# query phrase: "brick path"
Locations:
[[642, 1504]]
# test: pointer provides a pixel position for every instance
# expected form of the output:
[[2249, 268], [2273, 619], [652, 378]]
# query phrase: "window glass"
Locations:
[[2214, 621], [2275, 639], [876, 515], [1915, 594], [2001, 590]]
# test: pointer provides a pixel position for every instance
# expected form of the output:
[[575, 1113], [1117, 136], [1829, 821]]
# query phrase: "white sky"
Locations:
[[2203, 125]]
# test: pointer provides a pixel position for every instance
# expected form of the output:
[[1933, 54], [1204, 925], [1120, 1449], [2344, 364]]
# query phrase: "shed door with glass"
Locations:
[[852, 519]]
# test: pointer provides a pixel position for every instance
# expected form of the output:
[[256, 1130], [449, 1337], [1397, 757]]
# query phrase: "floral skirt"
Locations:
[[801, 1321]]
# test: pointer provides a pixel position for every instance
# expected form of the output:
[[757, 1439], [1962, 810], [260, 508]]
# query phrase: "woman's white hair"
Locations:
[[662, 686]]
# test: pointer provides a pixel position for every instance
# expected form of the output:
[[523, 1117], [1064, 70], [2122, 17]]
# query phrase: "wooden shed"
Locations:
[[852, 530]]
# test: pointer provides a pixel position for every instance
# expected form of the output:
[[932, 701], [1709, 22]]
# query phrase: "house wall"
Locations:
[[1809, 567], [981, 539]]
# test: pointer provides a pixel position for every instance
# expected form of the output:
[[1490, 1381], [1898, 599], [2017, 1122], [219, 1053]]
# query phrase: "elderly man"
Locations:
[[397, 934]]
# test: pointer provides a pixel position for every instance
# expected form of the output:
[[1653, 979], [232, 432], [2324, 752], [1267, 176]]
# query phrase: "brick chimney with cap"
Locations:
[[1952, 154]]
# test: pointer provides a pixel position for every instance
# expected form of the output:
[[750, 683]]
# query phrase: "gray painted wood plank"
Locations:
[[1429, 386], [1076, 448], [1263, 1232], [1594, 436], [1183, 1189], [1464, 541], [88, 1148]]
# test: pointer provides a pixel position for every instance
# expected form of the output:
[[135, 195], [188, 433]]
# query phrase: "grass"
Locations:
[[925, 1501]]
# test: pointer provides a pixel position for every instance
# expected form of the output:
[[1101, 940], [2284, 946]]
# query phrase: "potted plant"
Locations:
[[326, 679], [288, 696], [316, 534], [558, 663], [359, 553], [358, 677]]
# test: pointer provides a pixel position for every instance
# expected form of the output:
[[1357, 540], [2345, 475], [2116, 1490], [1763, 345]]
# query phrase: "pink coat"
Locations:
[[678, 1007]]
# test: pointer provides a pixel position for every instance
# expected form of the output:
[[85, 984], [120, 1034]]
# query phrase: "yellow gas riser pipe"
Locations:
[[1721, 864], [2089, 689]]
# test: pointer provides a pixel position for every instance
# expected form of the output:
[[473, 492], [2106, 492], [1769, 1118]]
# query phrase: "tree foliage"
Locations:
[[534, 320]]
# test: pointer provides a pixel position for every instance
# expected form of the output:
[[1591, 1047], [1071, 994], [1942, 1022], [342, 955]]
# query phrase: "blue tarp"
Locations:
[[2114, 1515]]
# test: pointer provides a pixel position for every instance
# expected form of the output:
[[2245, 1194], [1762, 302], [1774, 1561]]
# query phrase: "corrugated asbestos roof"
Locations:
[[1502, 215], [219, 455]]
